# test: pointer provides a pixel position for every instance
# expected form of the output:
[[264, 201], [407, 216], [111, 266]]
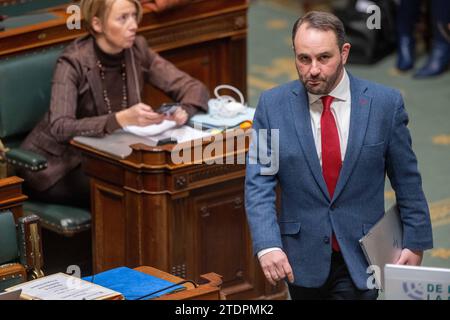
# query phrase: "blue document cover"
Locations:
[[133, 284]]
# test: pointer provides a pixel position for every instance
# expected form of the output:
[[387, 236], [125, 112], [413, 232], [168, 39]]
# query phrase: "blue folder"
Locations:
[[132, 284]]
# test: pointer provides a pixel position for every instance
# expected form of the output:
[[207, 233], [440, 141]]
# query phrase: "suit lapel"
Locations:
[[359, 116], [302, 120]]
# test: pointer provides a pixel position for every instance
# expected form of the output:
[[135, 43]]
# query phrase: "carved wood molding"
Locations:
[[185, 180], [180, 182], [214, 171], [236, 201]]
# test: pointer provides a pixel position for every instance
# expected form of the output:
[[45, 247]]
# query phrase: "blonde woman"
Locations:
[[96, 89]]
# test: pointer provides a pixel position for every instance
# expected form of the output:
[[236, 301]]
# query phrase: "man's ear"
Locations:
[[97, 25], [345, 52]]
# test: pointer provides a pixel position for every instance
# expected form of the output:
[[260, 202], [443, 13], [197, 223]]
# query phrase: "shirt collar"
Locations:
[[339, 93]]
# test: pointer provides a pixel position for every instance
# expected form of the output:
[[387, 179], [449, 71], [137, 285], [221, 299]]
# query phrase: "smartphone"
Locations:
[[168, 109]]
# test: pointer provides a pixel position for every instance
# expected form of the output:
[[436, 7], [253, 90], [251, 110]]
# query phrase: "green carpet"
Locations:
[[271, 62]]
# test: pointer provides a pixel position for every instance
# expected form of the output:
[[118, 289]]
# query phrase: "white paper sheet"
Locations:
[[182, 134], [61, 286], [151, 130]]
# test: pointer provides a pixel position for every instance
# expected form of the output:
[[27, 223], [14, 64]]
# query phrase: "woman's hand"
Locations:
[[180, 116], [138, 115]]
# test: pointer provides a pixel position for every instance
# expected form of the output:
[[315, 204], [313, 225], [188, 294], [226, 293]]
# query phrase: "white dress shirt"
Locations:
[[340, 107]]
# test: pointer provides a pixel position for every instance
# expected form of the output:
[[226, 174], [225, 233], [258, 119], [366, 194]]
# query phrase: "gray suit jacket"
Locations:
[[379, 143]]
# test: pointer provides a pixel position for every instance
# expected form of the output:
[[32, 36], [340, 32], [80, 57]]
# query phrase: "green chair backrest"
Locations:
[[9, 250], [25, 88]]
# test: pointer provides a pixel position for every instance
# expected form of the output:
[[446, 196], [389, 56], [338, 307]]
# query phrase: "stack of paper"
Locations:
[[61, 286], [151, 130], [181, 134], [118, 143]]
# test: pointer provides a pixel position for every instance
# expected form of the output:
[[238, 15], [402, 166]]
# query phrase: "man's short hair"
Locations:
[[324, 21]]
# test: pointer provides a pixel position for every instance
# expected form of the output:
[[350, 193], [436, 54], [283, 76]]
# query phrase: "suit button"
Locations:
[[334, 207], [326, 240]]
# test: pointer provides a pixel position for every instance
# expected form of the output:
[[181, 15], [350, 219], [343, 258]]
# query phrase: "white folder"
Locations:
[[383, 243]]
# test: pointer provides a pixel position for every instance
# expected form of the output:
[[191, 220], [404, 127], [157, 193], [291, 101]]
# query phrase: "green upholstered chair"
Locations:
[[21, 257], [25, 85]]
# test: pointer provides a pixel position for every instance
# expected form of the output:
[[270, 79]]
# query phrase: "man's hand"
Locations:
[[138, 115], [410, 258], [276, 267]]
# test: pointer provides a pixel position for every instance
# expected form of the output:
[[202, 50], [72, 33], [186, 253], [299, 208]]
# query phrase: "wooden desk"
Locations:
[[206, 291], [11, 197], [186, 219]]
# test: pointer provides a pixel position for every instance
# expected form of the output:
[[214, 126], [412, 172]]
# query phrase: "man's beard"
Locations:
[[325, 85]]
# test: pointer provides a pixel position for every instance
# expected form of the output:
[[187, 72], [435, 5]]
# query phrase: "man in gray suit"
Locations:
[[338, 137]]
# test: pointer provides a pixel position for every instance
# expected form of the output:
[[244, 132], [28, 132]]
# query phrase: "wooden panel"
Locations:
[[207, 39], [222, 239], [155, 231], [238, 49], [197, 23], [184, 228], [133, 212], [182, 243], [111, 171], [109, 226], [185, 219], [221, 217]]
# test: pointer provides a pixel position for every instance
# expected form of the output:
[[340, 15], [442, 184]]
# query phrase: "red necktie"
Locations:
[[331, 152]]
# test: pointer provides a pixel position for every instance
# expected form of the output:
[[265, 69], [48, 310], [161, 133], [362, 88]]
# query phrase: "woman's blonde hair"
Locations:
[[101, 10]]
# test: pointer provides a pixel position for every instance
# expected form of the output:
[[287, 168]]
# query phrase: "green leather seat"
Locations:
[[62, 219], [25, 86]]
